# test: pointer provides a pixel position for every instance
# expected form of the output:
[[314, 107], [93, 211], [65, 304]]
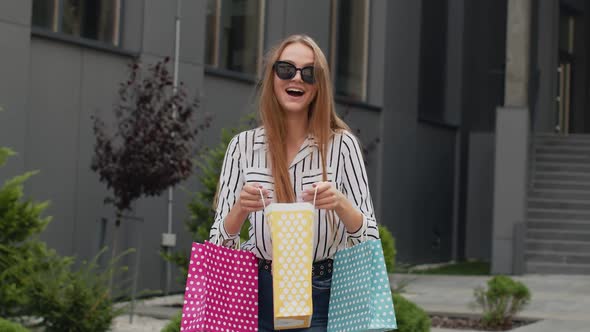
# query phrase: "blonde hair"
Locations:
[[323, 120]]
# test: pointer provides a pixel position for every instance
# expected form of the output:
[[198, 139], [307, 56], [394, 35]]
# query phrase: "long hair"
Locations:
[[323, 120]]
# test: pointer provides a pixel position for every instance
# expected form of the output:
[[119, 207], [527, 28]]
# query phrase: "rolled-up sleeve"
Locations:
[[230, 184], [356, 187]]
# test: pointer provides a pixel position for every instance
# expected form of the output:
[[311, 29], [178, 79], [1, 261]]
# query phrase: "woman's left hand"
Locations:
[[328, 197]]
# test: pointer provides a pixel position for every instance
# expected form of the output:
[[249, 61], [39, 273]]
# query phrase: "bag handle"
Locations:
[[315, 194]]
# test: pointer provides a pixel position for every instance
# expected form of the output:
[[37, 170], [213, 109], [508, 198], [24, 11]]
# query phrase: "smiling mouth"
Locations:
[[295, 92]]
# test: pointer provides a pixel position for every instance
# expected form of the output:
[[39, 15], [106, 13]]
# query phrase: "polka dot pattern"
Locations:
[[360, 299], [292, 245], [221, 290]]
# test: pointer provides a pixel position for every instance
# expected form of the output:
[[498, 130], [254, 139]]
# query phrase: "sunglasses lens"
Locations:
[[307, 75], [285, 71]]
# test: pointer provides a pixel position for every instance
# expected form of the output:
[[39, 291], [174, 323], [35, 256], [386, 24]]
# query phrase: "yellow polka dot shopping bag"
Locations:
[[291, 227], [221, 290], [360, 299]]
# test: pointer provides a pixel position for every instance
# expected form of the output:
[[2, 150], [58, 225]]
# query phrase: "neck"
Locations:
[[297, 127]]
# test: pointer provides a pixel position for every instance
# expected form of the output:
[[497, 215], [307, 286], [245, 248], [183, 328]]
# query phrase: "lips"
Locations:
[[295, 92]]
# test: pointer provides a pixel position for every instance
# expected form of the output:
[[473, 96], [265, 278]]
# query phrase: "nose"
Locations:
[[297, 76]]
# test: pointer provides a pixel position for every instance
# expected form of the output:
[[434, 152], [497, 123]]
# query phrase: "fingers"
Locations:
[[250, 199], [251, 205], [253, 189], [323, 188]]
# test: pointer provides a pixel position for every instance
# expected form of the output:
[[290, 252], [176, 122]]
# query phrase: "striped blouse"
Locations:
[[246, 161]]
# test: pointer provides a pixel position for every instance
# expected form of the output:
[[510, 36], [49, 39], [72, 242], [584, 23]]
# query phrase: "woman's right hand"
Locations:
[[250, 200]]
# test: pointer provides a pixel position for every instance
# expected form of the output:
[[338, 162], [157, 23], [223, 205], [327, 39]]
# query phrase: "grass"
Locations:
[[469, 268]]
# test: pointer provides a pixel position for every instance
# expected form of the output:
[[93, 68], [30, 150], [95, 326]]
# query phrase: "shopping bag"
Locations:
[[291, 227], [360, 298], [221, 291]]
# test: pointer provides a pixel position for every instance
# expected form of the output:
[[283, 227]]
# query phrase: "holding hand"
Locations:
[[250, 200], [327, 198]]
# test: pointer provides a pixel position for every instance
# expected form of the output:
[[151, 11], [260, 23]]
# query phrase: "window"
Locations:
[[350, 46], [234, 34], [90, 19]]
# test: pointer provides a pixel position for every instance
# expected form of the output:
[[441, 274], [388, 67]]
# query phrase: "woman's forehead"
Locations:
[[299, 54]]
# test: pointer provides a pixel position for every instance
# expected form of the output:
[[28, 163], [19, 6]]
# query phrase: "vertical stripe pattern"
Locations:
[[246, 162]]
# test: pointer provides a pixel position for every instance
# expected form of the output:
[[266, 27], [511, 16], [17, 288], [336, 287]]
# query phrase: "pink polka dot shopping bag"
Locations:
[[221, 290]]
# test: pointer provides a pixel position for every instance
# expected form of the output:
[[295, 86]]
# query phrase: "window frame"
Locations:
[[334, 34], [56, 27], [215, 65]]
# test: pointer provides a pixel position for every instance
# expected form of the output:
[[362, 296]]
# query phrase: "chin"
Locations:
[[295, 109]]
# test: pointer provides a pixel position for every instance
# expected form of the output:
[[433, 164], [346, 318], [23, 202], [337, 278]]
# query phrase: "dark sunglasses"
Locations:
[[287, 71]]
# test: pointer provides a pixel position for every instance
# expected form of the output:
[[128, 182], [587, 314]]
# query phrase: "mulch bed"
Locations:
[[471, 323]]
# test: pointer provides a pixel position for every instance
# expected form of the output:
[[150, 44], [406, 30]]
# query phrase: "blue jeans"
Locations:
[[320, 296]]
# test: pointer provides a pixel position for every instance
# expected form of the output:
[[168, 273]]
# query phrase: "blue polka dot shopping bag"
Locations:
[[360, 299]]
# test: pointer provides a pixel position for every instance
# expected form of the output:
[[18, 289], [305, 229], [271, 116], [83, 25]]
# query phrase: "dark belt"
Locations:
[[319, 268]]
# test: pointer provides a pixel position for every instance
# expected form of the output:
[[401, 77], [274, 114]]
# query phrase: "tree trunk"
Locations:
[[114, 251]]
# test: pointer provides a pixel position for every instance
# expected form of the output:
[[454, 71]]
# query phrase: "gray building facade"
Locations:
[[421, 81]]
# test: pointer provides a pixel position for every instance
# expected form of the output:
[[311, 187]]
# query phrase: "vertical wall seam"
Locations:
[[77, 156]]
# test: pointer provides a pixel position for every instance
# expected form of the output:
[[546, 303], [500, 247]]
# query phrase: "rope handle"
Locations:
[[315, 194], [264, 203]]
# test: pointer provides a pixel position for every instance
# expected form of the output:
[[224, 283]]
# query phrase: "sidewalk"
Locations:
[[151, 315], [562, 302]]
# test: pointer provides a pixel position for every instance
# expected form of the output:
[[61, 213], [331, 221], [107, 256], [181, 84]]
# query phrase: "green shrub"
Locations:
[[174, 324], [17, 282], [410, 317], [503, 299], [6, 326], [75, 301], [20, 220], [35, 281], [388, 243]]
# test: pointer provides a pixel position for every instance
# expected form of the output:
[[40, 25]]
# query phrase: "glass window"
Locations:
[[234, 39], [211, 33], [45, 14], [91, 19], [350, 47], [566, 31]]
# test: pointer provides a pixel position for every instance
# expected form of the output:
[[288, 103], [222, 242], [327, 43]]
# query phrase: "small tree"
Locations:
[[201, 207], [151, 146]]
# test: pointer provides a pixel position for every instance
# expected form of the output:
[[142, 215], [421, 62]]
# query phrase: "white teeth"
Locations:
[[294, 90]]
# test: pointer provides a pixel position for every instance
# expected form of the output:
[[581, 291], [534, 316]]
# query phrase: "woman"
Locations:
[[302, 146]]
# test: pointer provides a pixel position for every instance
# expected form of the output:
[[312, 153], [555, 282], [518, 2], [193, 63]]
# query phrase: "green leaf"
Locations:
[[4, 154]]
